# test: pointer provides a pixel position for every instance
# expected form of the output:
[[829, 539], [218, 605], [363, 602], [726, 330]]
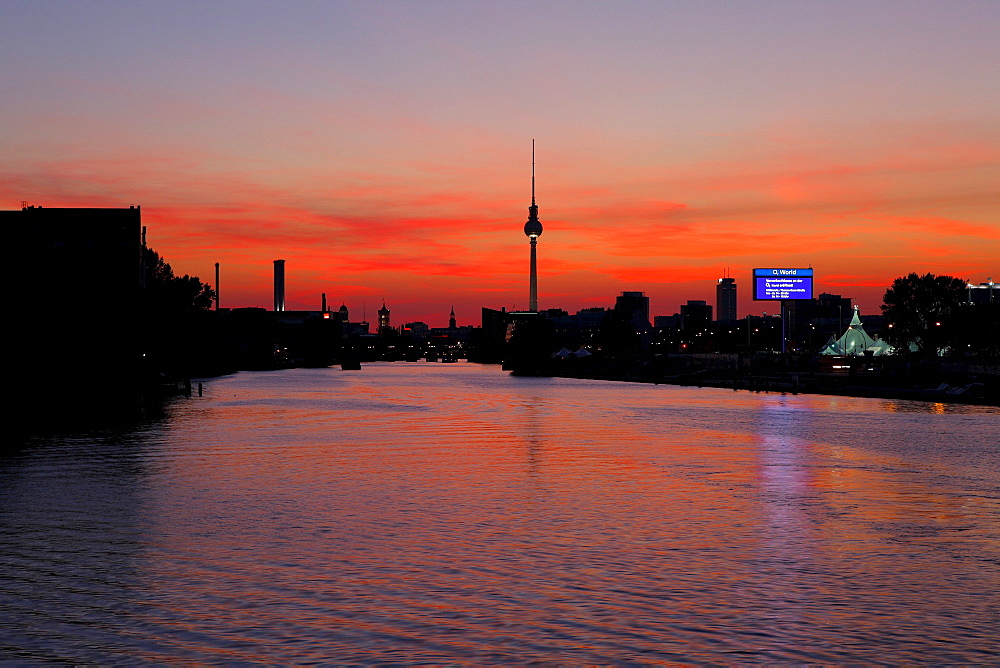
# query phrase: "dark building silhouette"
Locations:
[[75, 258], [725, 299], [490, 342], [667, 321], [696, 315], [984, 293], [81, 272], [489, 339], [585, 329], [417, 329], [633, 307]]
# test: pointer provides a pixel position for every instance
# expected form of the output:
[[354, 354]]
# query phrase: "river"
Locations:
[[452, 513]]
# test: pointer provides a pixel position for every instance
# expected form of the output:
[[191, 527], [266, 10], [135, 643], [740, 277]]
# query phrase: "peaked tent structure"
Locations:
[[855, 341], [565, 353]]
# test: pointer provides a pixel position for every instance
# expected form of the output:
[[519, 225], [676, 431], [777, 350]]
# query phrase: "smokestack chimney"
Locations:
[[216, 286], [279, 285], [324, 303]]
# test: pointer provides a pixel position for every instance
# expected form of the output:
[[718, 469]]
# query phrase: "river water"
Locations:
[[451, 513]]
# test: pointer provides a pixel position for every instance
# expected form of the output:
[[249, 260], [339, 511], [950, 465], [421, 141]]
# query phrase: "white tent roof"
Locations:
[[855, 341], [564, 353]]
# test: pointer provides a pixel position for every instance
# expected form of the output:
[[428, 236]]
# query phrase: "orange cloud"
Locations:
[[454, 230]]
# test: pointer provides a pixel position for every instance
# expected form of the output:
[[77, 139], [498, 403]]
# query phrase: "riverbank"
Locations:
[[944, 381], [943, 393]]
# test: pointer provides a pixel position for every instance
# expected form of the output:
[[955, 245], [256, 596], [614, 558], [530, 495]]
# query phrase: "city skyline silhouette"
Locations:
[[382, 151]]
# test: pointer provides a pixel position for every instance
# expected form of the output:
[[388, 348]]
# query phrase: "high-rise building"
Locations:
[[725, 299], [633, 306], [533, 230]]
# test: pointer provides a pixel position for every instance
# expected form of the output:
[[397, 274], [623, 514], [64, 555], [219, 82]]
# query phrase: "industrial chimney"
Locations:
[[279, 285]]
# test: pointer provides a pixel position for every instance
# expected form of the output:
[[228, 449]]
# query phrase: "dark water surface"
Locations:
[[450, 513]]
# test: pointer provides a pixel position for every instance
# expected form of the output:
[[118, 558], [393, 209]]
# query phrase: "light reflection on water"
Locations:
[[452, 513]]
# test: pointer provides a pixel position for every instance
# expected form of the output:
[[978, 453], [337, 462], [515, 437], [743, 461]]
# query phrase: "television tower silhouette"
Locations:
[[533, 230]]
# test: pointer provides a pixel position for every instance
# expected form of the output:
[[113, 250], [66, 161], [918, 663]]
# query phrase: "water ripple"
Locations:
[[455, 514]]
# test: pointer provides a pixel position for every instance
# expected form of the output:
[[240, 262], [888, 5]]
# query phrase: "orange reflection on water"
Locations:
[[449, 513]]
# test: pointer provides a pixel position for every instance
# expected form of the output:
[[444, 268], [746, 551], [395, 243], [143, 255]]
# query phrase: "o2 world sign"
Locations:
[[776, 284]]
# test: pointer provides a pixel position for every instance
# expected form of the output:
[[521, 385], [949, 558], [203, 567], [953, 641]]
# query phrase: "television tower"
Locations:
[[533, 230]]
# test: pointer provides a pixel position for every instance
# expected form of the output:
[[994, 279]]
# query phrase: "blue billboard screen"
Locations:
[[777, 284]]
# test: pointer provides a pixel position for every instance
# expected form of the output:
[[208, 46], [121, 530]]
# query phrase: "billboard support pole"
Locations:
[[784, 326]]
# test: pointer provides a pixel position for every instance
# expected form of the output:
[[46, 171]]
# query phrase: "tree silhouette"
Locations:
[[178, 330], [922, 312], [173, 294]]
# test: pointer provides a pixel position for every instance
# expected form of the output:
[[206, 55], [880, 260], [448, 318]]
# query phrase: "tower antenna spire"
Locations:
[[532, 171]]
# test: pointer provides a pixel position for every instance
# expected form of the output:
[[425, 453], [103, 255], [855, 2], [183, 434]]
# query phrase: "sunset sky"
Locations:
[[383, 149]]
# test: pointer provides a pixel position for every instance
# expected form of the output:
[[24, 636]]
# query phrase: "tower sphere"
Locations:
[[533, 228]]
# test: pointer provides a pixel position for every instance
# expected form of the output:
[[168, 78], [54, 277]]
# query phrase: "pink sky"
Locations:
[[383, 148]]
